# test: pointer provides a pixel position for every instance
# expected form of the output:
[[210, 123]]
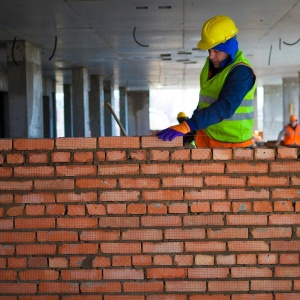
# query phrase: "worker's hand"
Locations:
[[169, 134]]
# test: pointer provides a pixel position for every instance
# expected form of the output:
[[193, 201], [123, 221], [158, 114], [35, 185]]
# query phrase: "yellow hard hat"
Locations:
[[181, 115], [293, 118], [217, 30]]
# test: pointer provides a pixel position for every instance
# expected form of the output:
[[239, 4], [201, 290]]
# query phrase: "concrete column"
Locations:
[[273, 112], [49, 108], [24, 73], [123, 109], [96, 106], [138, 113], [290, 97], [110, 123], [80, 100], [68, 115]]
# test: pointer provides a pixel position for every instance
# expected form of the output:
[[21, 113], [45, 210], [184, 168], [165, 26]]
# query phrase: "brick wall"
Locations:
[[135, 218]]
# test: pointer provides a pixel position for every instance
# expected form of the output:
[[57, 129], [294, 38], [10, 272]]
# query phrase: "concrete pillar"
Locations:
[[123, 109], [68, 115], [96, 106], [49, 108], [138, 113], [24, 73], [80, 101], [110, 123], [273, 112], [290, 97]]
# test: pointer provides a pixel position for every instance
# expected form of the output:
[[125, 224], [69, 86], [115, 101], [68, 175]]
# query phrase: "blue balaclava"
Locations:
[[230, 47]]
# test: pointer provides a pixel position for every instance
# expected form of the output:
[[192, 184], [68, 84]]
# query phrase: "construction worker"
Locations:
[[224, 116], [291, 133]]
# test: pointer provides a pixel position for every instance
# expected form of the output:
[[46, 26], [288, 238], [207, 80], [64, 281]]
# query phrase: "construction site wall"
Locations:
[[136, 218]]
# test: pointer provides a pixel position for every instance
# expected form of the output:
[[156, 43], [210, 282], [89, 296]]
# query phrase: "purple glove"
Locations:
[[169, 134]]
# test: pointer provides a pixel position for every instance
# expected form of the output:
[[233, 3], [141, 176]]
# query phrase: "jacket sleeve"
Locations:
[[237, 84]]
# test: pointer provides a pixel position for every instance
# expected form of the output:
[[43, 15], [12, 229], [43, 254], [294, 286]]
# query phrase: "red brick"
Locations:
[[200, 207], [289, 258], [185, 286], [38, 158], [181, 155], [163, 247], [55, 209], [242, 154], [203, 168], [96, 183], [56, 236], [272, 232], [35, 210], [138, 155], [203, 220], [78, 249], [119, 222], [37, 275], [121, 169], [265, 181], [157, 221], [8, 275], [286, 219], [222, 206], [253, 297], [96, 209], [166, 273], [17, 237], [250, 272], [155, 142], [120, 274], [58, 262], [119, 142], [143, 287], [14, 211], [76, 210], [76, 170], [248, 194], [35, 198], [248, 246], [83, 157], [16, 263], [15, 158], [36, 249], [33, 144], [18, 288], [271, 285], [142, 234], [162, 195], [59, 287], [91, 275], [264, 153], [115, 155], [55, 184], [139, 183], [284, 167], [6, 198], [226, 259], [182, 181], [283, 206], [82, 222], [228, 233], [222, 154], [157, 209], [37, 262], [76, 197], [5, 145], [60, 157], [178, 208], [75, 143], [116, 209], [204, 260], [218, 286], [205, 194], [246, 259], [241, 207], [161, 169], [100, 156], [262, 206], [136, 209], [21, 223], [100, 287], [267, 258], [162, 155], [208, 272], [205, 246], [16, 185], [201, 154], [183, 260], [141, 260], [119, 261], [287, 153], [246, 168]]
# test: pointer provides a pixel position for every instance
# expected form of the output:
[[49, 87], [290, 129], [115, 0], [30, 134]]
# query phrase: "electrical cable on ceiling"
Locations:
[[291, 43], [12, 51], [136, 40], [270, 55], [55, 43]]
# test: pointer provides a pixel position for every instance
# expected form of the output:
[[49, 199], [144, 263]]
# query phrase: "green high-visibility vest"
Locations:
[[239, 127]]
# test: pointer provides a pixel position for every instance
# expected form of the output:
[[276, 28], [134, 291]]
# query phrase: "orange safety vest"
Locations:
[[292, 136]]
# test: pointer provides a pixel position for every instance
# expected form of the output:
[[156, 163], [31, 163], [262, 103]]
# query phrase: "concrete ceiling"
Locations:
[[142, 44]]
